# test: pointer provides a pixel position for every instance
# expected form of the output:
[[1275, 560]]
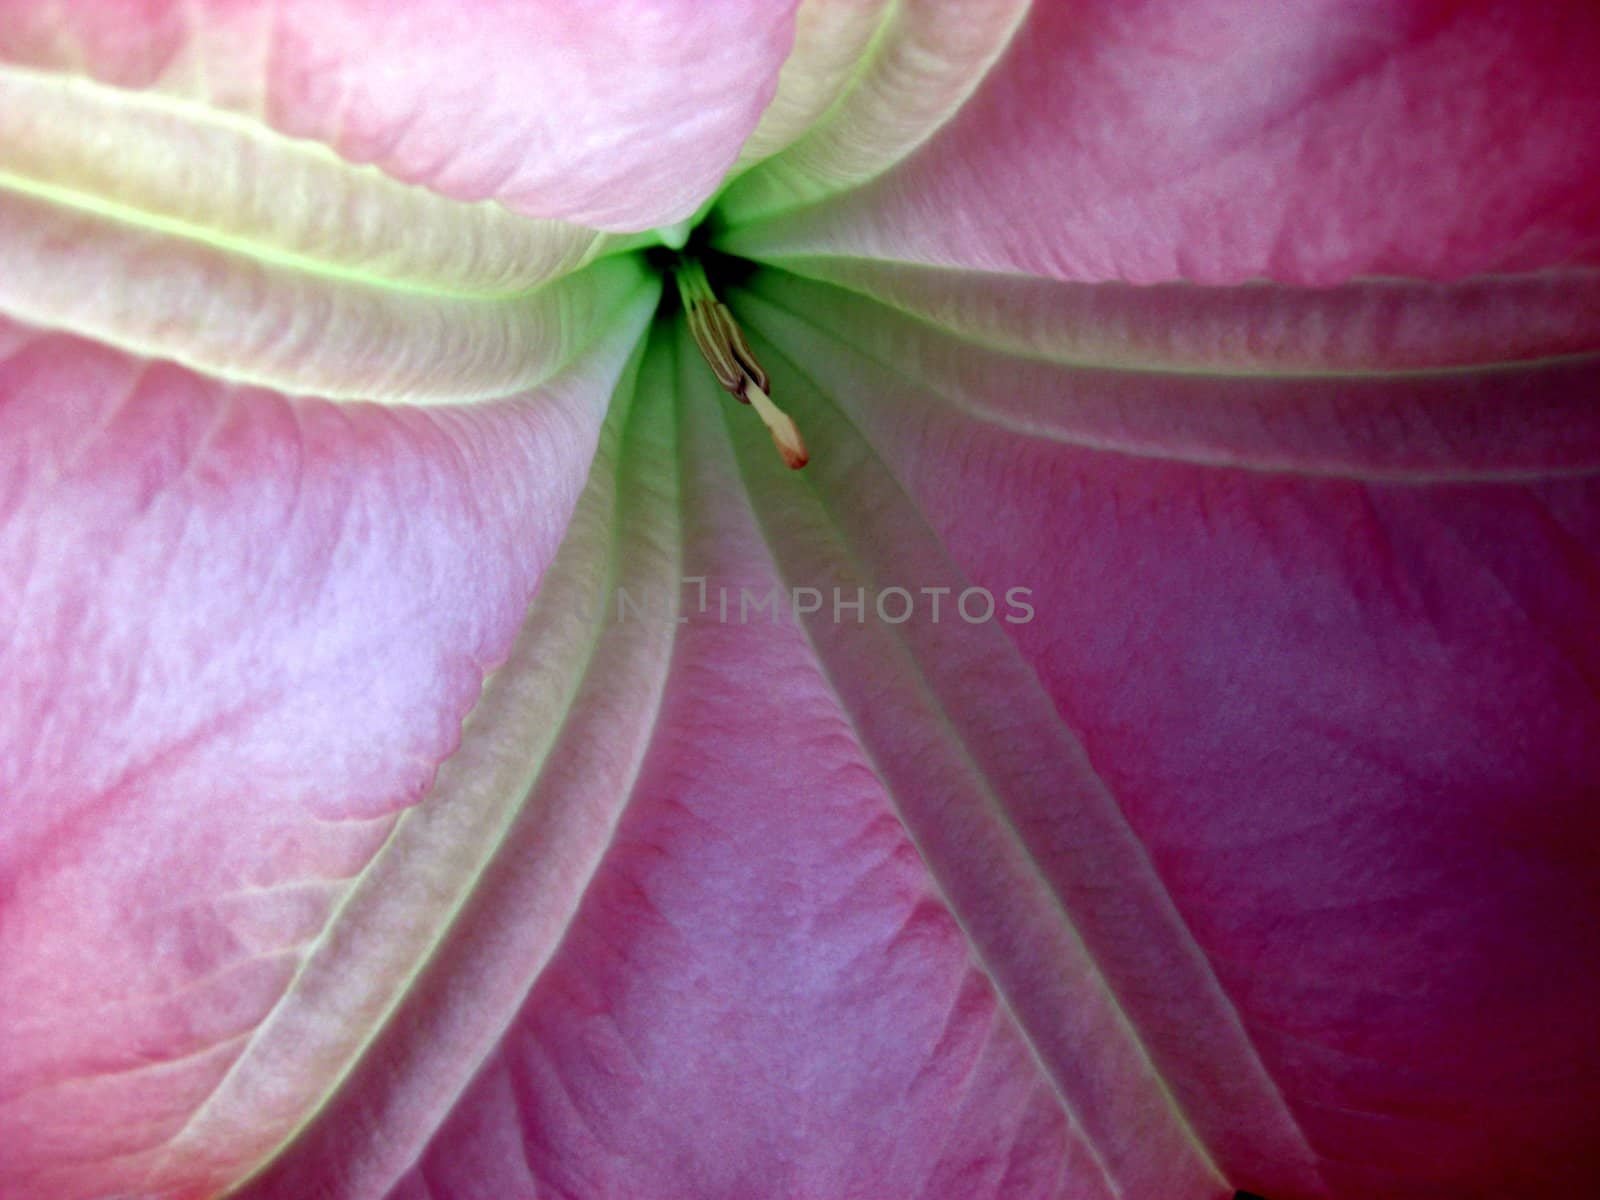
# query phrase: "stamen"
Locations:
[[785, 434], [722, 345]]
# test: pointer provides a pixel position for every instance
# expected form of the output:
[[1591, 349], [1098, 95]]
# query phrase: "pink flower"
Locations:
[[1152, 750]]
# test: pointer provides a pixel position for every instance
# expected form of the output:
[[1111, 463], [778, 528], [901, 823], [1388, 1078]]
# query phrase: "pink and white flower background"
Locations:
[[350, 848]]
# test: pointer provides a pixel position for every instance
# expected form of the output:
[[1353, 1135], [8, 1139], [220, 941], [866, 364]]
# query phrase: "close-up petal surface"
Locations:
[[1332, 660], [582, 112], [242, 632], [1140, 745], [1219, 142]]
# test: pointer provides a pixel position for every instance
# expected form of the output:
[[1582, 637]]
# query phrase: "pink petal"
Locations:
[[615, 116], [1261, 857], [830, 39], [1332, 845], [1258, 858], [763, 990], [1307, 143], [914, 67], [195, 237], [241, 632]]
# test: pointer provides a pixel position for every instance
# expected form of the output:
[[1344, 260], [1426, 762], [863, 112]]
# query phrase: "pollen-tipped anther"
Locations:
[[723, 346]]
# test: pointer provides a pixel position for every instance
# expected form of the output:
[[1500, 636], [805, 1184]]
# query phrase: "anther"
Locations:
[[723, 347]]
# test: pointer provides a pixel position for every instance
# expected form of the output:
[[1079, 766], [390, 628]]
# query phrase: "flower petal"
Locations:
[[619, 117], [1330, 846], [521, 817], [1310, 143], [763, 990], [1299, 384], [923, 60], [203, 239], [1372, 327], [831, 37], [1174, 888], [238, 635]]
